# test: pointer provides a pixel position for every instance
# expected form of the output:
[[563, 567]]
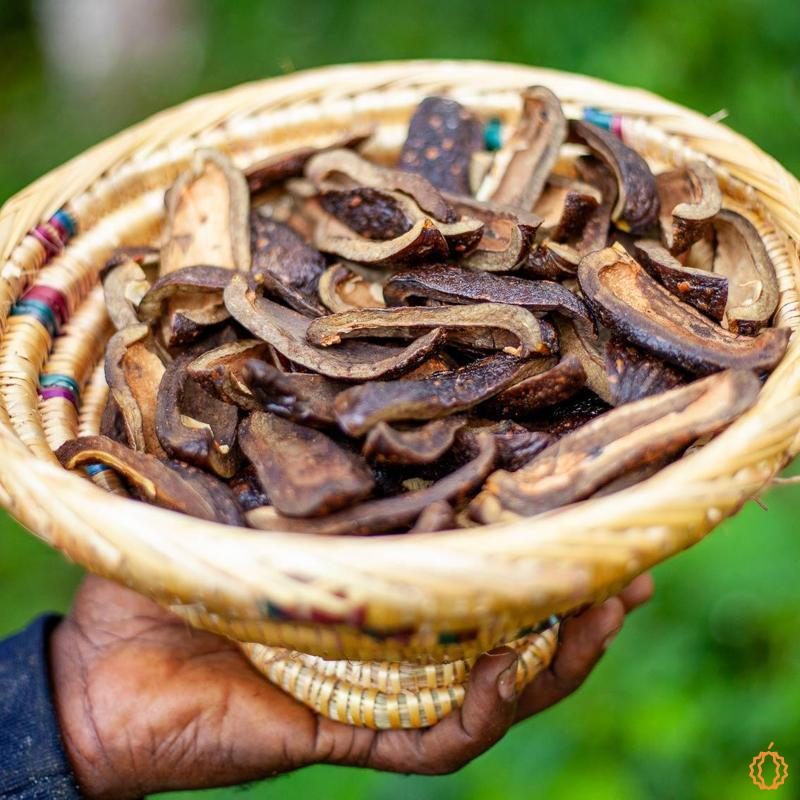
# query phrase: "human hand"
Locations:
[[147, 704]]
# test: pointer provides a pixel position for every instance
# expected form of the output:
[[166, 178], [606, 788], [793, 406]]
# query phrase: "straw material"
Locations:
[[429, 599]]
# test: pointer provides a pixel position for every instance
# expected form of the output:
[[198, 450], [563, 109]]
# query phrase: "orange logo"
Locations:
[[757, 769]]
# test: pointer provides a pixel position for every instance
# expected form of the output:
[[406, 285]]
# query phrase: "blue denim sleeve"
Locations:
[[33, 764]]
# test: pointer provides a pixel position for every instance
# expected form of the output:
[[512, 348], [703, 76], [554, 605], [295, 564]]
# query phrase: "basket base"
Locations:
[[384, 694]]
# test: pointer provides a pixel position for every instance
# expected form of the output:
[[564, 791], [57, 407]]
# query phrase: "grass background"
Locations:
[[706, 676]]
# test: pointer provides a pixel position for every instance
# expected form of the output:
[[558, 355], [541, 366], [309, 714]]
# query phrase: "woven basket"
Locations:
[[434, 601]]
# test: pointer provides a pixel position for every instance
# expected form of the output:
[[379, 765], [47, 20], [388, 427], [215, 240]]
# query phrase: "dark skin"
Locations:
[[146, 704]]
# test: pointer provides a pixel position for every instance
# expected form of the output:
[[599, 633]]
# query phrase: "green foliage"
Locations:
[[705, 677]]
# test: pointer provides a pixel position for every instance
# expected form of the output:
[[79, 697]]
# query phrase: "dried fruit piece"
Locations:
[[187, 301], [555, 383], [193, 426], [368, 212], [522, 166], [155, 481], [124, 286], [344, 169], [133, 372], [280, 167], [595, 231], [361, 407], [507, 235], [690, 198], [423, 445], [389, 513], [453, 284], [637, 200], [565, 206], [634, 374], [286, 331], [302, 397], [220, 371], [341, 289], [516, 445], [221, 497], [247, 489], [485, 326], [616, 443], [207, 216], [628, 300], [285, 265], [552, 262], [700, 288], [442, 136], [742, 258], [563, 418], [438, 516], [304, 472], [573, 342]]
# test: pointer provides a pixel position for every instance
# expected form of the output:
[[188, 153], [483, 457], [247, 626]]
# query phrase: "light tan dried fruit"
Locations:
[[438, 516], [154, 481], [389, 513], [690, 198], [700, 288], [303, 471], [286, 331], [629, 301], [616, 443], [742, 258], [522, 166], [133, 372], [124, 286], [422, 445], [637, 199], [341, 289], [193, 426], [361, 407]]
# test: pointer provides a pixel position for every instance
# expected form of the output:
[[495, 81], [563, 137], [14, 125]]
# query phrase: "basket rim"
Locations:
[[429, 579]]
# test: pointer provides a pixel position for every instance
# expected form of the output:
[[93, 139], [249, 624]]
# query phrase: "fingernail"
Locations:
[[507, 683], [497, 651]]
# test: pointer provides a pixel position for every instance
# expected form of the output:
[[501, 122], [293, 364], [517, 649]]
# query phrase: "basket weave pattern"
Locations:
[[434, 599]]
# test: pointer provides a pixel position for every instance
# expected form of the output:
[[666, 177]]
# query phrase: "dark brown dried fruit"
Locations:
[[442, 136], [522, 166], [634, 374], [551, 261], [616, 443], [628, 300], [742, 258], [704, 290], [221, 497], [303, 471], [389, 513], [565, 206], [369, 212], [422, 445], [285, 265], [486, 326], [286, 331], [516, 445], [587, 350], [563, 418], [133, 372], [193, 426], [360, 407], [302, 397], [690, 198], [557, 382], [595, 232], [154, 481], [637, 200], [247, 489], [453, 284]]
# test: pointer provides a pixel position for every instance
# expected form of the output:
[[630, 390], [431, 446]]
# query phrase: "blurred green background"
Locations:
[[703, 678]]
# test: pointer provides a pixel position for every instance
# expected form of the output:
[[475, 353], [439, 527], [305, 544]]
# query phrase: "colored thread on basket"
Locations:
[[54, 234], [95, 469], [54, 298], [56, 385], [610, 122], [493, 134], [39, 311]]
